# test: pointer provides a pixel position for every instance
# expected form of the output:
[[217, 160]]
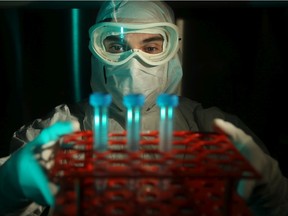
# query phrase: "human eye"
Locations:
[[115, 44], [115, 48], [152, 48]]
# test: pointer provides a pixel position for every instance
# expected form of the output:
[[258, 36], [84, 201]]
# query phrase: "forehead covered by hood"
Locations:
[[127, 11]]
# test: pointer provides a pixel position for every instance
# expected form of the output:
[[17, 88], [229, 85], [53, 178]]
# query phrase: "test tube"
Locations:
[[133, 103], [166, 103], [100, 103]]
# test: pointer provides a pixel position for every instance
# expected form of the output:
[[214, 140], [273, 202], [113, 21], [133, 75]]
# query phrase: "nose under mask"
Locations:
[[134, 77]]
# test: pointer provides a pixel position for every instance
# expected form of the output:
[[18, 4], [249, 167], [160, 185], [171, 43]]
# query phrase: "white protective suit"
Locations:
[[164, 78]]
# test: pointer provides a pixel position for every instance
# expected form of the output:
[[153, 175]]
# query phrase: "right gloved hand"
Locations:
[[23, 180], [269, 194]]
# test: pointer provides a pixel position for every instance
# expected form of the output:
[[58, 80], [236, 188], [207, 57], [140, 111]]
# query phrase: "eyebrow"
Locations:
[[113, 38], [147, 40], [155, 38]]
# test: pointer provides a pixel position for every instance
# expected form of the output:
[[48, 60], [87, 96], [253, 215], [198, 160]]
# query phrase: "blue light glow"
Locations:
[[133, 128], [122, 32], [166, 103], [100, 128], [166, 128], [100, 103], [75, 18], [133, 103]]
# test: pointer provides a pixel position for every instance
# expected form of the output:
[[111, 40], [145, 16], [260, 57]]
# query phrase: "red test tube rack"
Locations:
[[197, 177]]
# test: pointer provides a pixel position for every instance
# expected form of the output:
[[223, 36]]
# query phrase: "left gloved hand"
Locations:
[[23, 180], [269, 194]]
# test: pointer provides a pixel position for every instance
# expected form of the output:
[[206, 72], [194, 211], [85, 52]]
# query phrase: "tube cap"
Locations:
[[100, 99], [133, 100], [167, 100]]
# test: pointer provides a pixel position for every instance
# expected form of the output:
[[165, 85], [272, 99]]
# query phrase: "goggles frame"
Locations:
[[100, 31]]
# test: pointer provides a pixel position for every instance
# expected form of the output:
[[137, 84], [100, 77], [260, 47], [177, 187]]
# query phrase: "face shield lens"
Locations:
[[115, 44]]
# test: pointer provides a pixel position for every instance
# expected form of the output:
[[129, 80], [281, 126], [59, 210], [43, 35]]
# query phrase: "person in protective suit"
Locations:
[[135, 47]]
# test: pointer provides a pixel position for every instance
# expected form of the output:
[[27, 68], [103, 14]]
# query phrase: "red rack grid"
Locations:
[[197, 177]]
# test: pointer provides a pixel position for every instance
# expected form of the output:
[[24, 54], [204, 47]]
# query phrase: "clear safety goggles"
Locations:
[[116, 43]]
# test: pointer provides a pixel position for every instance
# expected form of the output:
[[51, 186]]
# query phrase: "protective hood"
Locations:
[[171, 71], [135, 12]]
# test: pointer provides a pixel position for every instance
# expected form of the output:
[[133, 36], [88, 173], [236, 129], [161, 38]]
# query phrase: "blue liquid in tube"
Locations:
[[100, 103], [167, 104], [133, 104]]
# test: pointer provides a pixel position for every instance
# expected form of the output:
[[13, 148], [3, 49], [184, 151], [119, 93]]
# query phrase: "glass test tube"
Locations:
[[166, 103], [100, 103], [133, 103]]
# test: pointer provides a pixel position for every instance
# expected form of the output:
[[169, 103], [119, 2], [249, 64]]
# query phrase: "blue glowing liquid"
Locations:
[[133, 103], [133, 128], [100, 103], [166, 128], [166, 103], [100, 128]]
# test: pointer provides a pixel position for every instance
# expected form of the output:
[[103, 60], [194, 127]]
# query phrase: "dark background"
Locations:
[[235, 57]]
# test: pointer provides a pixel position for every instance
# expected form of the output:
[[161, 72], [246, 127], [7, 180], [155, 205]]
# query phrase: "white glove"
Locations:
[[269, 194], [23, 180]]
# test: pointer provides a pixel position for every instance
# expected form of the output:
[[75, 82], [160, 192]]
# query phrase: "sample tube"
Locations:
[[100, 103], [166, 103], [133, 103]]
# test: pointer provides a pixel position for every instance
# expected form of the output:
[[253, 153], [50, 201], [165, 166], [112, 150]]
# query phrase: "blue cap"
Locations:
[[167, 100], [100, 99], [133, 100]]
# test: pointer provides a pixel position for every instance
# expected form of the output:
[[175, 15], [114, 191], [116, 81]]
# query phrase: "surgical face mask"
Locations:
[[134, 77], [117, 43]]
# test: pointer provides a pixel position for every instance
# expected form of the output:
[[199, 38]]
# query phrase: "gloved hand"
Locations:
[[23, 180], [269, 194]]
